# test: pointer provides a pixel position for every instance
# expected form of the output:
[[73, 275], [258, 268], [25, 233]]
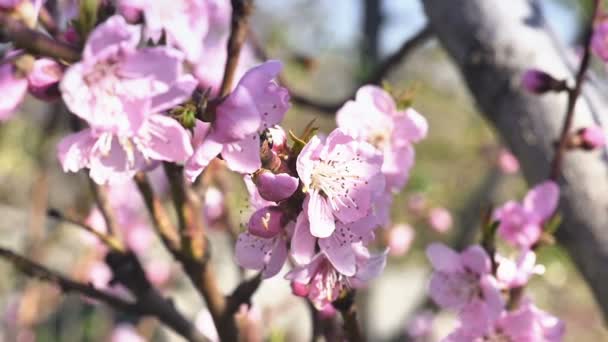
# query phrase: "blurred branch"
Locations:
[[100, 193], [239, 29], [151, 305], [346, 306], [378, 73], [35, 42], [372, 23]]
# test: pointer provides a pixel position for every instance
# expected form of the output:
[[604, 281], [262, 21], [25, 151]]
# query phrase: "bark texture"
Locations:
[[493, 42]]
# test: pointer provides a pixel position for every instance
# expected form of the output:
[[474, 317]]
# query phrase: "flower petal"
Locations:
[[443, 258], [243, 156], [322, 223]]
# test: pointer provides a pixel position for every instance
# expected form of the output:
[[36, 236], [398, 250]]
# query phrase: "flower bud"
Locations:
[[299, 289], [70, 36], [266, 222], [213, 204], [592, 137], [507, 162], [275, 187], [43, 80], [540, 82]]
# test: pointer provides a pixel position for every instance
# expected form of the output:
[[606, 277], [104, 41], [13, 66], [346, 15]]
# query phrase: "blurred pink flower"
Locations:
[[99, 274], [420, 326], [159, 272], [539, 82], [507, 162], [13, 88], [599, 41], [521, 224], [342, 177], [400, 238], [213, 204], [463, 280], [126, 333], [440, 219], [373, 117]]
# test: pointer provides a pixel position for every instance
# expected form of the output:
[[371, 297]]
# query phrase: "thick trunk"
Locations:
[[492, 42]]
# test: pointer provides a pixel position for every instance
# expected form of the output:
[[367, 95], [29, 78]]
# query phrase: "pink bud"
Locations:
[[9, 4], [593, 137], [70, 36], [266, 222], [214, 204], [99, 274], [540, 82], [507, 162], [400, 239], [440, 219], [158, 272], [328, 311], [299, 289], [275, 187], [43, 80]]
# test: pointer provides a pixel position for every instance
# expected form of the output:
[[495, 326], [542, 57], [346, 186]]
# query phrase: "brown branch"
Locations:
[[239, 29], [375, 77], [148, 304], [100, 193], [35, 42]]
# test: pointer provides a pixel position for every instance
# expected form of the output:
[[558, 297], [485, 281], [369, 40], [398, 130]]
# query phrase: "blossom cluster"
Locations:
[[474, 283], [135, 95]]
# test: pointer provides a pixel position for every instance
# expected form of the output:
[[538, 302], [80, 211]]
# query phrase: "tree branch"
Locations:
[[375, 77], [346, 306], [239, 29], [35, 42]]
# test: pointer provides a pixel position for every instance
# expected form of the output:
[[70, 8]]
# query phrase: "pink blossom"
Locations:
[[342, 178], [117, 89], [256, 103], [374, 117], [340, 248], [275, 187], [9, 4], [400, 238], [461, 280], [325, 282], [507, 162], [277, 136], [158, 272], [184, 23], [440, 219], [525, 324], [522, 224], [43, 80], [126, 333], [266, 222], [13, 88], [99, 275], [516, 273], [263, 254]]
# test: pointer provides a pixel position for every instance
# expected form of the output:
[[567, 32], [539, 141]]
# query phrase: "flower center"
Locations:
[[335, 179]]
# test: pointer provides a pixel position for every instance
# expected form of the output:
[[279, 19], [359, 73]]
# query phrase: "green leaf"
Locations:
[[87, 17], [553, 224]]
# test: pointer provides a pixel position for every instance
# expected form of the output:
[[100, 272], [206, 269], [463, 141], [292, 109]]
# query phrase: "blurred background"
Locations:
[[329, 47]]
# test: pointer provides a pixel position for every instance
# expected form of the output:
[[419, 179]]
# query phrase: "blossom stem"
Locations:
[[148, 305], [35, 42], [239, 29], [348, 309], [573, 95], [103, 202]]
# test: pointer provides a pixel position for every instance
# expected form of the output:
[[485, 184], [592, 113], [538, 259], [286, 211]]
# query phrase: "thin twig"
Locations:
[[100, 193], [111, 242], [573, 95], [241, 10], [375, 77], [35, 42]]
